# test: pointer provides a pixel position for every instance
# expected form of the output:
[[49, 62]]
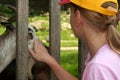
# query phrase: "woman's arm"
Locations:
[[60, 72], [40, 54]]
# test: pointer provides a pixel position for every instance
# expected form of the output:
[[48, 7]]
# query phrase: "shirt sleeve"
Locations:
[[97, 72]]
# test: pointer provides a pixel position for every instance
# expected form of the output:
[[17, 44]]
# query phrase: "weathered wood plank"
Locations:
[[82, 53], [54, 32], [21, 41]]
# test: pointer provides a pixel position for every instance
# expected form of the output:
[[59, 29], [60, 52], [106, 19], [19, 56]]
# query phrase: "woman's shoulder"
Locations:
[[105, 56], [96, 71]]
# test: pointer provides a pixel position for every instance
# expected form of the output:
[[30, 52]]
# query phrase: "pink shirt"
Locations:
[[105, 65]]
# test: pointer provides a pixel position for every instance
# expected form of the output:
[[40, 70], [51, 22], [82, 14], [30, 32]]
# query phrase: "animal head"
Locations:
[[10, 27], [31, 31]]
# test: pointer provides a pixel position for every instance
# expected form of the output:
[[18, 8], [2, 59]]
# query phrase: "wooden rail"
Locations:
[[21, 41], [54, 32]]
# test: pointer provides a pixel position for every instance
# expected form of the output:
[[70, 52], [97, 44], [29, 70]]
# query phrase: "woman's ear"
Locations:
[[79, 20]]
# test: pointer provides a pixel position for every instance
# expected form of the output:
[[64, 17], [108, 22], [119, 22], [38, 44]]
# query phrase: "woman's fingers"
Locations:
[[36, 43], [34, 55], [31, 52], [39, 52], [38, 46]]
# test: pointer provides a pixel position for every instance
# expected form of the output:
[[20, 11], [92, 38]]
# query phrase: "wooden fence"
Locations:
[[21, 41], [22, 22]]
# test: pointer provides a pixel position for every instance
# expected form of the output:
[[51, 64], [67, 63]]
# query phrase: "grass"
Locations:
[[67, 35], [35, 18], [69, 44], [69, 61]]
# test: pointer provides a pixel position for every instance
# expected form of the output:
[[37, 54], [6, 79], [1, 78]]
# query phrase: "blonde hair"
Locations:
[[103, 23]]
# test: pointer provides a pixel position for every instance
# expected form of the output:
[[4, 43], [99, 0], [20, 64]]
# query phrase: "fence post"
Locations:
[[21, 41], [54, 33], [82, 53]]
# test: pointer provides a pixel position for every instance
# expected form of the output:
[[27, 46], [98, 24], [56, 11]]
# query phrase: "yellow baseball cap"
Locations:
[[94, 5]]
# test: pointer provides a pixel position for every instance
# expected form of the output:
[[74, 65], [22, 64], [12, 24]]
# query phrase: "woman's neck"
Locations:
[[95, 40]]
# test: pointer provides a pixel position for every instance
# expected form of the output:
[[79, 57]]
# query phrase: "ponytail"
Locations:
[[113, 38]]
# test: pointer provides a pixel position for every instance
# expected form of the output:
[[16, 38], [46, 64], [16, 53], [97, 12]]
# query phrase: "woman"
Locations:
[[93, 22]]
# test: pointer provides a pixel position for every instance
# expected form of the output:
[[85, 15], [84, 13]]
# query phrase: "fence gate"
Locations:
[[22, 32]]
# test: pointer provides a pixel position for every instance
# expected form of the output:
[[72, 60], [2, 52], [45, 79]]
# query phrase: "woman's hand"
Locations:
[[39, 52]]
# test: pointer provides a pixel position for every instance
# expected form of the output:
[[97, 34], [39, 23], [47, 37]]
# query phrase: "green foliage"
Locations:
[[4, 11], [2, 30]]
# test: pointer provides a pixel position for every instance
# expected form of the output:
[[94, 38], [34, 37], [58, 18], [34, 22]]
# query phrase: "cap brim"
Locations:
[[64, 2]]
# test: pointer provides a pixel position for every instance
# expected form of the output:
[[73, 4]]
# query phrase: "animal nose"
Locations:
[[30, 35]]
